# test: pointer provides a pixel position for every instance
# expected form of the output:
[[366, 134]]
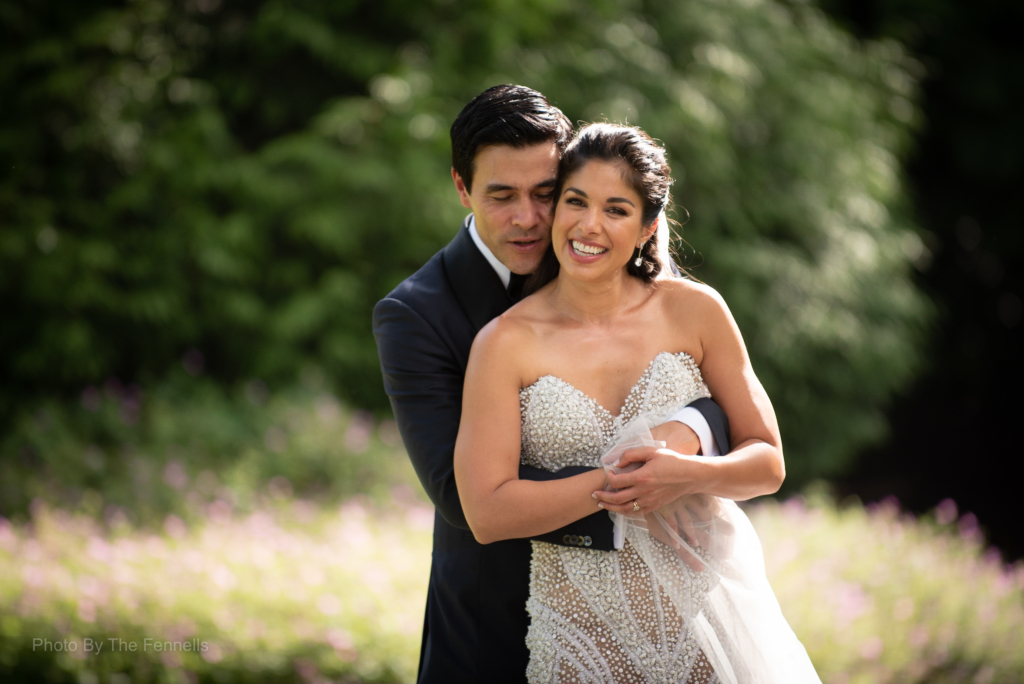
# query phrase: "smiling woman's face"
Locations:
[[597, 224]]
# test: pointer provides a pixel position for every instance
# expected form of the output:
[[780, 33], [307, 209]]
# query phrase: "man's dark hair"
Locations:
[[511, 115]]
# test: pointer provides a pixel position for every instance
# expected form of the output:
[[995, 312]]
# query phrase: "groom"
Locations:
[[506, 145]]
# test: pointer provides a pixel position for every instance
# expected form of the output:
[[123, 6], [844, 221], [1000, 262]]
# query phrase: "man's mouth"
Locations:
[[587, 250], [524, 246]]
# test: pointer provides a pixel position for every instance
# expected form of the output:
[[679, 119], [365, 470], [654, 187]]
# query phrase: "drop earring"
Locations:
[[639, 261]]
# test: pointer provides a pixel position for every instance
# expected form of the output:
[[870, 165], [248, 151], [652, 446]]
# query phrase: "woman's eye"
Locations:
[[617, 211], [575, 201]]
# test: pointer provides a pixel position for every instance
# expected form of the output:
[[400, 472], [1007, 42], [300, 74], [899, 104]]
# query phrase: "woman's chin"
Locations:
[[592, 272]]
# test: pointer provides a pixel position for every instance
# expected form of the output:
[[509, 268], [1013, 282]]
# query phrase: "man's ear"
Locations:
[[460, 187]]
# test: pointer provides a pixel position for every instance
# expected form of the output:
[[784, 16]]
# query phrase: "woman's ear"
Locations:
[[649, 231]]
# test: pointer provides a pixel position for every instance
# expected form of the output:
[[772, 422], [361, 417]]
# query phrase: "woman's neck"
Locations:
[[597, 301]]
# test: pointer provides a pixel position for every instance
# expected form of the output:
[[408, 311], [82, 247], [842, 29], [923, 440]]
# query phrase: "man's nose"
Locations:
[[528, 213]]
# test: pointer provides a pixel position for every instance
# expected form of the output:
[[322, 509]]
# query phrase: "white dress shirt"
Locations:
[[689, 416], [503, 271]]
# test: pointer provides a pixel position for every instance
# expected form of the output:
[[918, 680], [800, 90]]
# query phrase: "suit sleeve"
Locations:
[[717, 421], [424, 384]]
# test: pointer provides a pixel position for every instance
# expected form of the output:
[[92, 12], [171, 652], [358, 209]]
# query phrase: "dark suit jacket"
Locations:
[[476, 620]]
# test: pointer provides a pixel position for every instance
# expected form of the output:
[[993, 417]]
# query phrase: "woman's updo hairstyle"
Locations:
[[645, 170]]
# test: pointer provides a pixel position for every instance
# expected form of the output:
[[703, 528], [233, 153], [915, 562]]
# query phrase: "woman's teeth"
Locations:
[[587, 249]]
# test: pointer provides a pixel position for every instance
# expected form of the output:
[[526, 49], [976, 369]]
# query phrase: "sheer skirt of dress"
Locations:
[[597, 617], [647, 612]]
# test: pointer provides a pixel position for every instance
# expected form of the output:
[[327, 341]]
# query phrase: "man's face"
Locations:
[[512, 200]]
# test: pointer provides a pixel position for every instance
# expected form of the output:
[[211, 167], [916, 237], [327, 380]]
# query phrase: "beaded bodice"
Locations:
[[597, 616], [562, 426]]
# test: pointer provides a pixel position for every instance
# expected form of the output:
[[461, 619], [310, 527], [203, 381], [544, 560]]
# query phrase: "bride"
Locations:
[[608, 346]]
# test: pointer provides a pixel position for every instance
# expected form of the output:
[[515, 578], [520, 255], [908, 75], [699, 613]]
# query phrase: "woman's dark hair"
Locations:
[[511, 115], [645, 170]]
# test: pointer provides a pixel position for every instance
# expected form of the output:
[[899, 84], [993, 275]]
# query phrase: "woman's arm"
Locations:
[[497, 504], [755, 466]]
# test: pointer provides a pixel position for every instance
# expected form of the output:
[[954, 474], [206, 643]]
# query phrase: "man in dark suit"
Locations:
[[506, 145]]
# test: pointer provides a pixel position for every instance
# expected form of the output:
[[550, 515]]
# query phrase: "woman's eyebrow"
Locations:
[[576, 190], [621, 200]]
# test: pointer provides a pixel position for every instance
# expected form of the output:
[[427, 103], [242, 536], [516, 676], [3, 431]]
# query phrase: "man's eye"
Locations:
[[544, 197], [501, 199]]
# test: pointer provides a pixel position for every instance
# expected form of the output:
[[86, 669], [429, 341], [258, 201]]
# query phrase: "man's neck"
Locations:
[[503, 271]]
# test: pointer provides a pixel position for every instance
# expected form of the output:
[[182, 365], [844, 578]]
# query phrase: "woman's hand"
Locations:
[[664, 476], [680, 440]]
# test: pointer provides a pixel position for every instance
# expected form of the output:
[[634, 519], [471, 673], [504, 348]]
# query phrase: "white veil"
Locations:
[[738, 624], [663, 235]]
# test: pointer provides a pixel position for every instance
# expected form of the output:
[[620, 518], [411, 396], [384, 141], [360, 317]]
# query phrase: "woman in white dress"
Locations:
[[608, 345]]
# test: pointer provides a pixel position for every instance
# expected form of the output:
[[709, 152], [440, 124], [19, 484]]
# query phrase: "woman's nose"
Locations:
[[590, 221]]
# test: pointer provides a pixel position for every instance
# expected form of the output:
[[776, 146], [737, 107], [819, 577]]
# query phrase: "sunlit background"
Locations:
[[201, 202]]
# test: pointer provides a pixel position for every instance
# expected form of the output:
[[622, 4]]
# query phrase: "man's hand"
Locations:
[[689, 518], [678, 437]]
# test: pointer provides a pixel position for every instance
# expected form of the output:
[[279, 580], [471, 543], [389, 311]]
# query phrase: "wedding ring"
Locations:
[[636, 506]]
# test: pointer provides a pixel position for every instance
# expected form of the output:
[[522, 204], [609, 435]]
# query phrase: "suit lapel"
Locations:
[[475, 284]]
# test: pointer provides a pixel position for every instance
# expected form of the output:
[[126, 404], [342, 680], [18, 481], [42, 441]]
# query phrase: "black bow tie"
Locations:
[[515, 286]]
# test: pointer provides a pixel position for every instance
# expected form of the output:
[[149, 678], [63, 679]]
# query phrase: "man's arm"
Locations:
[[424, 384], [709, 424]]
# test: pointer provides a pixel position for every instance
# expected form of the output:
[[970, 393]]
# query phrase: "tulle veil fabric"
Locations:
[[740, 626]]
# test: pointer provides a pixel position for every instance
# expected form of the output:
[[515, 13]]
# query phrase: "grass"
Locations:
[[291, 593], [300, 592], [300, 552]]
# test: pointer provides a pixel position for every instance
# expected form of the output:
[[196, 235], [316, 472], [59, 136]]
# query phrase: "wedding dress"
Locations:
[[643, 613]]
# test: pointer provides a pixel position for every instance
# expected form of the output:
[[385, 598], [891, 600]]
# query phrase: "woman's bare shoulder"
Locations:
[[513, 333], [692, 296], [696, 308]]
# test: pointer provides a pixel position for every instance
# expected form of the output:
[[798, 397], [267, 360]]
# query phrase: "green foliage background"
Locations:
[[247, 179]]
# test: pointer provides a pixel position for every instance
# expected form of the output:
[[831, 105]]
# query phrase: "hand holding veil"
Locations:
[[703, 554]]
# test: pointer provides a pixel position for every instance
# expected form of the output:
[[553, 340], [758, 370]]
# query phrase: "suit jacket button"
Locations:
[[587, 541]]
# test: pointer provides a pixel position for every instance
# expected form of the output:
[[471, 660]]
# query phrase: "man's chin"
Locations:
[[525, 263]]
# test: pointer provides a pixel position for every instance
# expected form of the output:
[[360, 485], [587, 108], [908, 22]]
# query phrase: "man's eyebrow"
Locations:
[[497, 187], [549, 183]]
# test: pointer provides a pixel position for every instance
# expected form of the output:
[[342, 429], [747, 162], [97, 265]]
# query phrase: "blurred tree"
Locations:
[[239, 184], [953, 430]]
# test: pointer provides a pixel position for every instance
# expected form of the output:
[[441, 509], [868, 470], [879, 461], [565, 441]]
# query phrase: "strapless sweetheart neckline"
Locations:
[[595, 402]]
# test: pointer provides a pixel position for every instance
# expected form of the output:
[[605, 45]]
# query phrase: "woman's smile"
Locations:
[[586, 252]]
